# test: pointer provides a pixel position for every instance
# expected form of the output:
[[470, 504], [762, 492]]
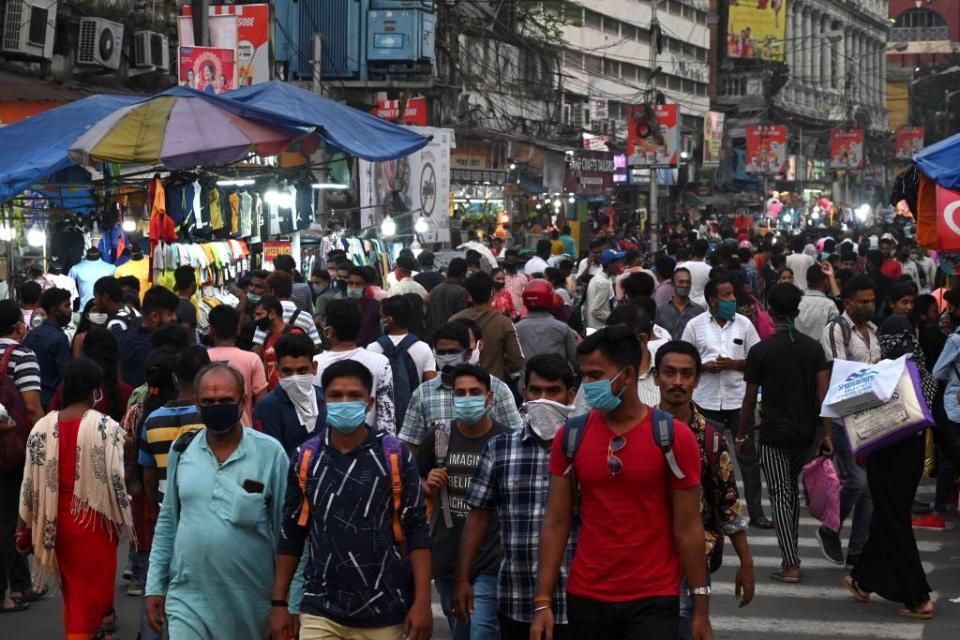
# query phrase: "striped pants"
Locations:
[[782, 468]]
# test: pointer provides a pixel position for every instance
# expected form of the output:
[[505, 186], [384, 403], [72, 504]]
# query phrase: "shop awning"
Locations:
[[32, 149], [941, 162], [341, 127]]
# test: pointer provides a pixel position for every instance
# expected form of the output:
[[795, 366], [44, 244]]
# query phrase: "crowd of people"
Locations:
[[548, 443]]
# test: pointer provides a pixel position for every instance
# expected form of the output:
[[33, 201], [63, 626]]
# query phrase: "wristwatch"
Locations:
[[699, 591]]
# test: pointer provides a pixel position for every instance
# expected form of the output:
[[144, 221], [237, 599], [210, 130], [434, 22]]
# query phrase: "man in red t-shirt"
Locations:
[[268, 316], [639, 520]]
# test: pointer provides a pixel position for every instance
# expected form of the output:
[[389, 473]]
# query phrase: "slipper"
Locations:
[[33, 595], [858, 594], [779, 576], [18, 605], [913, 614]]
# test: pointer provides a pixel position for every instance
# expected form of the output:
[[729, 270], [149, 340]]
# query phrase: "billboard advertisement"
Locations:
[[410, 187], [909, 141], [846, 148], [767, 149], [415, 111], [207, 69], [649, 151], [756, 29], [712, 137], [251, 39]]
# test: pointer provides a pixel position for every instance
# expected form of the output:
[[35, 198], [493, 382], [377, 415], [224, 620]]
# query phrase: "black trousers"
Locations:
[[646, 619], [14, 570], [513, 630], [750, 460]]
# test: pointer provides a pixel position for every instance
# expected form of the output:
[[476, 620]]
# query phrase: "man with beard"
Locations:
[[49, 341], [159, 309]]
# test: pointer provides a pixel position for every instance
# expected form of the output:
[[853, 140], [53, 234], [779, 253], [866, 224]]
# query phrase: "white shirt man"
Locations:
[[720, 390]]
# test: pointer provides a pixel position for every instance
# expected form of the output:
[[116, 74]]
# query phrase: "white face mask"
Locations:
[[299, 389], [98, 319], [545, 416]]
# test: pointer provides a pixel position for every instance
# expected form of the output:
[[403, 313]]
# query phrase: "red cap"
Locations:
[[538, 294]]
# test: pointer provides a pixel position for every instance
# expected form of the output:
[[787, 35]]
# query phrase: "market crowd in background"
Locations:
[[315, 460]]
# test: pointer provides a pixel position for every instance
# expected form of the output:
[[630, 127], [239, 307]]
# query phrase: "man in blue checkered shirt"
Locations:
[[513, 479]]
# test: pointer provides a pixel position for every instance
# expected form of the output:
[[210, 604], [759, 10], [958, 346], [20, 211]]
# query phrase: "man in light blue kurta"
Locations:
[[213, 548]]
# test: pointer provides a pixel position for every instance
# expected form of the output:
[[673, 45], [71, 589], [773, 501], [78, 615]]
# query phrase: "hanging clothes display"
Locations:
[[246, 213], [138, 267]]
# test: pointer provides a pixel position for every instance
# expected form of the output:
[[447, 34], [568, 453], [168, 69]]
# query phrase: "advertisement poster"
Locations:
[[416, 111], [274, 248], [948, 227], [649, 152], [756, 29], [411, 187], [207, 69], [846, 148], [252, 38], [909, 141], [767, 149], [712, 137]]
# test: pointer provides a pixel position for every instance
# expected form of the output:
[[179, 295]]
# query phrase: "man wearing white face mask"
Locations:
[[292, 412], [510, 486]]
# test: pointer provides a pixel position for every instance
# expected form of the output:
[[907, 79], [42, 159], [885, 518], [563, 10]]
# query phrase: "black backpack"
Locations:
[[405, 375]]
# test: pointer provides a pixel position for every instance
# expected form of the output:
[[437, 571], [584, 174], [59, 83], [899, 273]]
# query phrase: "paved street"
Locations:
[[819, 608]]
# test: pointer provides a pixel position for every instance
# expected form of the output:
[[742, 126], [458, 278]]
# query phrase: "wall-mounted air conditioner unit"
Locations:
[[29, 27], [101, 43], [151, 50]]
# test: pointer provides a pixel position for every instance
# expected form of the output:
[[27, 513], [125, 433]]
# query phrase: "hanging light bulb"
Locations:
[[129, 225], [506, 217], [539, 206], [6, 232], [388, 228], [421, 225], [572, 199], [36, 236], [557, 203]]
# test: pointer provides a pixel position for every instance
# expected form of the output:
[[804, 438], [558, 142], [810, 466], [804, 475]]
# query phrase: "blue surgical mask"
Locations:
[[599, 394], [726, 309], [470, 409], [346, 417], [354, 293], [253, 297]]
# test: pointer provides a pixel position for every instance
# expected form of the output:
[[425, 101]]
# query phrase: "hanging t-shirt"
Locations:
[[216, 213], [86, 273], [138, 268], [197, 207], [256, 219], [234, 201]]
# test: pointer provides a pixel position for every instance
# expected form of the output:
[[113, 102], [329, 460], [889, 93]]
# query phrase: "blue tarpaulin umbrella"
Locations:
[[941, 162]]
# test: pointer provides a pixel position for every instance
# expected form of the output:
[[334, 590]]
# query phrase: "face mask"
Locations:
[[475, 356], [220, 418], [864, 312], [726, 309], [263, 323], [499, 285], [253, 297], [599, 394], [346, 417], [470, 409], [63, 321], [451, 360], [354, 293], [510, 267], [683, 292], [545, 416], [98, 319], [298, 386], [318, 289]]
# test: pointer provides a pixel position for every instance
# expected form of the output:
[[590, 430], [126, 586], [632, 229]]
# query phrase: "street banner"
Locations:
[[756, 29], [416, 185], [948, 226], [767, 149], [223, 35], [846, 148], [207, 69], [648, 152], [712, 138], [414, 113], [909, 141], [252, 38]]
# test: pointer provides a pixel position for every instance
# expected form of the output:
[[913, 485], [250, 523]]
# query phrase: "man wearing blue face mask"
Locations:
[[448, 458], [354, 495], [724, 337]]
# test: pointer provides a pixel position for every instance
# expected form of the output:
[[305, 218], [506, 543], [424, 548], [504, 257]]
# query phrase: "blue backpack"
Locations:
[[405, 375]]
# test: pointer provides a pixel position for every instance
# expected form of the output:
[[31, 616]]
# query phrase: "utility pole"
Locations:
[[200, 10], [654, 196]]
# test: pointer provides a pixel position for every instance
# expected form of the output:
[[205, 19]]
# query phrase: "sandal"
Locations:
[[780, 576], [916, 614], [18, 605], [31, 595], [858, 594]]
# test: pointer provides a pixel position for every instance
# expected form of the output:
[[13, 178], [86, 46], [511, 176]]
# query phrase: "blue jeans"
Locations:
[[483, 623], [854, 493], [685, 630]]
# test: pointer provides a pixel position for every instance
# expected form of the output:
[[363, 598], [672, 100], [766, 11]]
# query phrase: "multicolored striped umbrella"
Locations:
[[179, 131]]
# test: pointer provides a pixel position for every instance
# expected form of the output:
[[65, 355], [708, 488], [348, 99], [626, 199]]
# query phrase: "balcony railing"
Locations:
[[920, 34]]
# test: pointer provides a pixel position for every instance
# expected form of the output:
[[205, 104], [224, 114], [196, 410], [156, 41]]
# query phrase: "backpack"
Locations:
[[13, 443], [844, 329], [405, 375], [393, 457]]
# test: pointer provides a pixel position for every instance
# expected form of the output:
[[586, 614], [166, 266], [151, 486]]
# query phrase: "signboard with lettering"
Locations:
[[274, 248]]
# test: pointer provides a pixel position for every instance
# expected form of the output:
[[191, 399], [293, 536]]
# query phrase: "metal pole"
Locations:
[[317, 62], [200, 10], [654, 195]]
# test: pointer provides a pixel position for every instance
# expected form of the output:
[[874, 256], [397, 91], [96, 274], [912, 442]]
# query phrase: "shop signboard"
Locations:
[[756, 29], [909, 142], [712, 138], [223, 35], [846, 148], [274, 248], [649, 152], [589, 173], [948, 227], [207, 69], [408, 188], [766, 149], [252, 38], [415, 112]]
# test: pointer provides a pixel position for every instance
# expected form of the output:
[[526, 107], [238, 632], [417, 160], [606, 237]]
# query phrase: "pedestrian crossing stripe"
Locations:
[[756, 540], [774, 562], [775, 628], [800, 591]]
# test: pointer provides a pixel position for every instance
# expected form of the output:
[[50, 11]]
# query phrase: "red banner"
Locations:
[[253, 39], [207, 69], [274, 248], [767, 149], [948, 227], [647, 152], [909, 141], [415, 113], [846, 148]]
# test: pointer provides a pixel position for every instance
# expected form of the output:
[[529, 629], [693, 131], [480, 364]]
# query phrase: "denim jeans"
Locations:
[[483, 623], [685, 631], [854, 493]]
